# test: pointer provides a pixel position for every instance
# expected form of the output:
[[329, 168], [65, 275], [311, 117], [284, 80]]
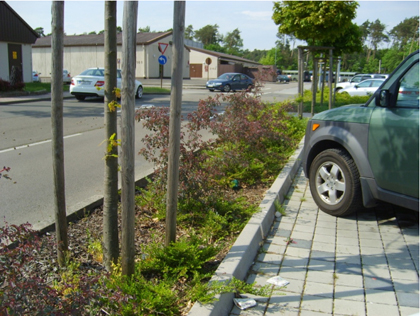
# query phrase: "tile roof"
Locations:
[[98, 39]]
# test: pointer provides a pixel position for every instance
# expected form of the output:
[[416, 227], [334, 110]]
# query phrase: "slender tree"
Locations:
[[57, 39], [111, 198], [208, 34], [127, 135], [233, 42]]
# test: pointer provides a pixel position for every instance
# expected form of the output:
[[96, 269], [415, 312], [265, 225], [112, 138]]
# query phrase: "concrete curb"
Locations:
[[242, 254]]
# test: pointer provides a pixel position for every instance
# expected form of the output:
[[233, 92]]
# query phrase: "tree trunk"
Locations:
[[175, 121], [57, 28], [110, 212], [127, 137]]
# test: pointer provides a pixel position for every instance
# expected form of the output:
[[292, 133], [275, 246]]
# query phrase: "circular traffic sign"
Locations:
[[162, 59]]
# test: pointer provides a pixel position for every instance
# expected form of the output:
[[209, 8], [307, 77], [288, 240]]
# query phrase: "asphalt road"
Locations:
[[25, 146]]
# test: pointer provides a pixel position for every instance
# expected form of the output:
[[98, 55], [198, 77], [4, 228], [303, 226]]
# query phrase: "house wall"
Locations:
[[200, 58], [78, 58], [26, 62], [4, 62]]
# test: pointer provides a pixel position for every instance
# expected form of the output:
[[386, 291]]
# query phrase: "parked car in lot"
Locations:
[[35, 76], [357, 79], [230, 81], [367, 87], [357, 155], [66, 77], [283, 78], [90, 83]]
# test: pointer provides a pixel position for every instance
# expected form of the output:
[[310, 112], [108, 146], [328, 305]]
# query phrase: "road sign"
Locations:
[[162, 59], [163, 47]]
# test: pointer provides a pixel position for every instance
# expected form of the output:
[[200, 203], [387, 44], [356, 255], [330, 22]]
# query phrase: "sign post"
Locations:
[[162, 58]]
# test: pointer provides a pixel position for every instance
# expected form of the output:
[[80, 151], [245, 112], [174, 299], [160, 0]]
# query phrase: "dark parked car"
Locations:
[[230, 81], [283, 78], [359, 154]]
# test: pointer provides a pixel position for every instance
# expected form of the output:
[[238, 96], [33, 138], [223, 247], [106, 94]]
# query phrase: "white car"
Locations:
[[90, 83], [357, 79], [367, 87], [35, 76], [66, 77]]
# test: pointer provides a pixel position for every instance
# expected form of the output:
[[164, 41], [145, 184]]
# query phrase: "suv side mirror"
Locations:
[[382, 98]]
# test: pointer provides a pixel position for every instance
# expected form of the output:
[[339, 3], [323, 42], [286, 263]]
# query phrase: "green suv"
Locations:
[[357, 155]]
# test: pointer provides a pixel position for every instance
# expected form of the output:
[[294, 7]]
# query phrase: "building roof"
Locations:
[[98, 39], [224, 56], [13, 28]]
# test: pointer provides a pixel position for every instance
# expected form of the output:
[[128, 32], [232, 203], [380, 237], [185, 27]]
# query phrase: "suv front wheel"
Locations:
[[334, 182]]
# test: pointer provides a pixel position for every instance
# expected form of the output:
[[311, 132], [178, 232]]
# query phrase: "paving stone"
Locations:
[[373, 243], [410, 286], [408, 311], [259, 279], [404, 274], [347, 307], [265, 268], [316, 304], [349, 259], [321, 265], [304, 228], [286, 300], [349, 293], [378, 283], [302, 235], [380, 297], [374, 260], [320, 277], [258, 310], [347, 249], [374, 309], [319, 289], [324, 238], [350, 280], [369, 251], [347, 241], [278, 240], [295, 286], [301, 263], [329, 225], [369, 235], [323, 255], [297, 252], [348, 268], [368, 228], [312, 313], [408, 299], [299, 243], [295, 273], [274, 248], [375, 272], [347, 234], [270, 258], [322, 246], [282, 233]]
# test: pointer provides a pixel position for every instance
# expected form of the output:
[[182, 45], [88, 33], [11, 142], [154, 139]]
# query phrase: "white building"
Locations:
[[87, 51]]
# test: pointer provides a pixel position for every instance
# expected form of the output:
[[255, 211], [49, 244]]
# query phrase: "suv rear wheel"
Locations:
[[334, 182]]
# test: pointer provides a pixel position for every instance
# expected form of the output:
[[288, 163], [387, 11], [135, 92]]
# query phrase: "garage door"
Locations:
[[196, 70]]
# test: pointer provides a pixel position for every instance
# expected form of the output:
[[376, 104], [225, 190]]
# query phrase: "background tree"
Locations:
[[314, 21], [40, 31], [189, 32], [376, 36], [144, 29], [405, 31], [233, 42], [208, 34]]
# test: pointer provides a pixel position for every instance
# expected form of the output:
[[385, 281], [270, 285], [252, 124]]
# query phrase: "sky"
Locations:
[[252, 18]]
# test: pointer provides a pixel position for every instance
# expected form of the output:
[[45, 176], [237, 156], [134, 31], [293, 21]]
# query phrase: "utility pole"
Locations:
[[57, 39], [127, 135], [175, 121]]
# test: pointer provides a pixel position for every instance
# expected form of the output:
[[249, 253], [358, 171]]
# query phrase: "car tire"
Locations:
[[80, 98], [226, 88], [211, 90], [249, 88], [139, 92], [334, 183]]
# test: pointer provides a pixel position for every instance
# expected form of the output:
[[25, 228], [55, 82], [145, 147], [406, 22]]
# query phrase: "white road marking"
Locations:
[[37, 143]]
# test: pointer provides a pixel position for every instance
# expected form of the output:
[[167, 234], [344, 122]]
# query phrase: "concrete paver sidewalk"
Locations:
[[366, 264]]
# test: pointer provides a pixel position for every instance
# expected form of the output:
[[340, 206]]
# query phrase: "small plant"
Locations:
[[279, 208]]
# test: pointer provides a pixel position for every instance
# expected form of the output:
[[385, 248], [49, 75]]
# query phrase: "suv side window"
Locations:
[[408, 90]]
